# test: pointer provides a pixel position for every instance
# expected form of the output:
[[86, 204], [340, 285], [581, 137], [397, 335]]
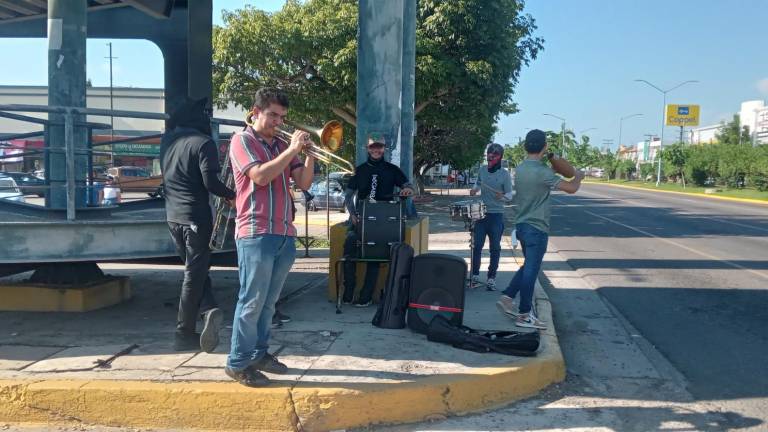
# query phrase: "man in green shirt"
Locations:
[[533, 183]]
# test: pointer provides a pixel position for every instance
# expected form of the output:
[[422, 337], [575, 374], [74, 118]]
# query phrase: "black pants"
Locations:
[[196, 293], [351, 250]]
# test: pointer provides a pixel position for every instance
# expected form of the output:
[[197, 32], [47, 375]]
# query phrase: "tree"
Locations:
[[732, 133], [675, 156], [468, 59], [515, 153]]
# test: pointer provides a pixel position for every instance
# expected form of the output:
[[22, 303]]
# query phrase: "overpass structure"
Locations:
[[67, 229]]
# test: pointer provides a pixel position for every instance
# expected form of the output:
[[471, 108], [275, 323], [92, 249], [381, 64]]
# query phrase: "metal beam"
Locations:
[[17, 7], [7, 15], [42, 4], [153, 8]]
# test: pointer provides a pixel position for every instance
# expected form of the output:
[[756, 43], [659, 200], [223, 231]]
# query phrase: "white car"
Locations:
[[9, 190]]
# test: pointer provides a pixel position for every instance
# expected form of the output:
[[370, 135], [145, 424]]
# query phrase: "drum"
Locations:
[[468, 210]]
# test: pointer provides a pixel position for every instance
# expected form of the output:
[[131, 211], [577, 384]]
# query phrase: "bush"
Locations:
[[759, 182]]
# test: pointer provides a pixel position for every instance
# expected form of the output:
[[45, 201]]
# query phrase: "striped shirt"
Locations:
[[261, 209]]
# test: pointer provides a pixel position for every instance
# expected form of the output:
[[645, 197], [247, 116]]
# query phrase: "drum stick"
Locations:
[[493, 190]]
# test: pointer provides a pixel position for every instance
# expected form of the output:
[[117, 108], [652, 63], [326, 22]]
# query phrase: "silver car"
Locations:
[[9, 190]]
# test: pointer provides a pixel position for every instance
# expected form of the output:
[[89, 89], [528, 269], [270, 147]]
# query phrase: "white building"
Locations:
[[705, 134], [754, 115], [647, 150]]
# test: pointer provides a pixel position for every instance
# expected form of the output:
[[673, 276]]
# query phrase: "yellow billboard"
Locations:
[[682, 115]]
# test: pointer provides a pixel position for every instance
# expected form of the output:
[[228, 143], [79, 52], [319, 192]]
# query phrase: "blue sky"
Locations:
[[594, 49]]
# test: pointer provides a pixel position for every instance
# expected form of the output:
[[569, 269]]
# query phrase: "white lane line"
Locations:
[[682, 246], [629, 200]]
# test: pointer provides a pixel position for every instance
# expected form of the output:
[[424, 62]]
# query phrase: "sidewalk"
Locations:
[[343, 371]]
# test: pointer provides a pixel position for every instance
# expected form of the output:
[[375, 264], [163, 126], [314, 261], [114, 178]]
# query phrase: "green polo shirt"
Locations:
[[533, 182]]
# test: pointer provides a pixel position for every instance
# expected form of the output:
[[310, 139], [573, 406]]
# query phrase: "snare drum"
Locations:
[[468, 210]]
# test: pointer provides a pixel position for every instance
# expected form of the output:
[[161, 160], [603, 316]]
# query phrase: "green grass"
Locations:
[[319, 243], [722, 191]]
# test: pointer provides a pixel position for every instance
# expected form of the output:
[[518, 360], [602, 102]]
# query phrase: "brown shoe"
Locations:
[[248, 377]]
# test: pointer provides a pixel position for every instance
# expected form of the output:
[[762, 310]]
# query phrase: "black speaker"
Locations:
[[436, 288]]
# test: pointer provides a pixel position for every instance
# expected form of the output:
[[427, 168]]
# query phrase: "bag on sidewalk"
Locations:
[[394, 298], [514, 343]]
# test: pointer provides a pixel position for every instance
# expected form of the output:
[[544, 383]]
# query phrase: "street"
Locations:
[[690, 274]]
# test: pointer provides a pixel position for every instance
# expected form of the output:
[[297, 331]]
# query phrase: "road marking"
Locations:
[[629, 200], [682, 246]]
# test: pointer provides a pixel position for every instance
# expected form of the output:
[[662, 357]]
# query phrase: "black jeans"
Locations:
[[196, 293], [351, 250]]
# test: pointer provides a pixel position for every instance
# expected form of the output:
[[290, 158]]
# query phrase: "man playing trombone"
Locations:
[[262, 164]]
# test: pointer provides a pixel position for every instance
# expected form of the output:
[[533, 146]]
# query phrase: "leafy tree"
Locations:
[[608, 162], [468, 59], [515, 153], [731, 133], [675, 156]]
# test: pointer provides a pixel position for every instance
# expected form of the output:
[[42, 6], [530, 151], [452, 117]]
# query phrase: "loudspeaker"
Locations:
[[437, 288], [382, 224]]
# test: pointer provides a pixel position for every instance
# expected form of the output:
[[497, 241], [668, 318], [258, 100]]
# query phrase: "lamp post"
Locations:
[[586, 130], [621, 120], [663, 115], [562, 129]]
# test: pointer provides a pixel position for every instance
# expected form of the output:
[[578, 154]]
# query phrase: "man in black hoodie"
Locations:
[[376, 178], [190, 164]]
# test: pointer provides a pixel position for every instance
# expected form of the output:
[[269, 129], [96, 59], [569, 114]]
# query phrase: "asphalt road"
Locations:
[[690, 274]]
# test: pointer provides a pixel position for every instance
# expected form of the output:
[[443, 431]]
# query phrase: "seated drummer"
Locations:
[[495, 185], [378, 178]]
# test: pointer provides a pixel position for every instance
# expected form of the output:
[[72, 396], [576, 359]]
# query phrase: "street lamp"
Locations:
[[663, 113], [621, 120], [562, 129], [586, 130]]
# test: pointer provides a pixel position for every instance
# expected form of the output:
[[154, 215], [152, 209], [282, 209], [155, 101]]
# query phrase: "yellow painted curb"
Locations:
[[745, 200], [45, 298]]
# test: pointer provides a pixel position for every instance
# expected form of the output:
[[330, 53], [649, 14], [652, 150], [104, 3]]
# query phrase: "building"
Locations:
[[144, 152], [627, 153], [647, 150], [753, 115]]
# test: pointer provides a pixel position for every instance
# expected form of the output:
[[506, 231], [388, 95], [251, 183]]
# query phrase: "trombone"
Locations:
[[330, 137]]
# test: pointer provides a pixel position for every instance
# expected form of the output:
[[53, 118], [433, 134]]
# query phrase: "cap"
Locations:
[[375, 139]]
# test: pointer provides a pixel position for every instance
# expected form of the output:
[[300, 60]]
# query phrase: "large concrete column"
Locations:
[[66, 87], [385, 78]]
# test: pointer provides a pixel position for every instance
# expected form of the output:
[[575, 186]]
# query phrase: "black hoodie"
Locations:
[[190, 164]]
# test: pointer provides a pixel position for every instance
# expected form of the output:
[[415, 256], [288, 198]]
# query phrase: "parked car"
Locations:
[[27, 183], [9, 190], [136, 179], [340, 177], [318, 190]]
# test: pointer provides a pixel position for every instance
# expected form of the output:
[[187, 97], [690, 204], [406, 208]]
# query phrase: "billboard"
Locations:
[[682, 115]]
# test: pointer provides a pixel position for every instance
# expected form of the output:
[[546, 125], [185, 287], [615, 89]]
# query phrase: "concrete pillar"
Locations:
[[385, 78], [66, 87]]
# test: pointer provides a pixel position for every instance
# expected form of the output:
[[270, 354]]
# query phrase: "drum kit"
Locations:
[[469, 212]]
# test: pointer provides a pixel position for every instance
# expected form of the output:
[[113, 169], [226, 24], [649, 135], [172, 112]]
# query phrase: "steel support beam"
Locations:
[[67, 21], [385, 78]]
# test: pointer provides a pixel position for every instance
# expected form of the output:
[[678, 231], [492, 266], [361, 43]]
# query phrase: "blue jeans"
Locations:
[[264, 262], [491, 225], [534, 244]]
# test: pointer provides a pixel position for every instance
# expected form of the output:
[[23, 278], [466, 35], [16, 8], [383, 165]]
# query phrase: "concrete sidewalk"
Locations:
[[116, 367]]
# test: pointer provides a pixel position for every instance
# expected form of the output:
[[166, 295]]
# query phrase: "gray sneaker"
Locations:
[[529, 320]]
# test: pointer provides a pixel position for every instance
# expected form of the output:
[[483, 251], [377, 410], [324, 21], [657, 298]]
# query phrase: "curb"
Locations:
[[724, 198]]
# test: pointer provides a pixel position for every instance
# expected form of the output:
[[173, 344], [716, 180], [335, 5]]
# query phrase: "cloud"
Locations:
[[762, 86]]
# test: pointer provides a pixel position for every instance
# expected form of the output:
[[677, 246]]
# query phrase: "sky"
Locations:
[[593, 52]]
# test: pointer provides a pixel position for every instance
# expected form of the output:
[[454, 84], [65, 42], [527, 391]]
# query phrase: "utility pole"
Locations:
[[111, 107], [663, 117]]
